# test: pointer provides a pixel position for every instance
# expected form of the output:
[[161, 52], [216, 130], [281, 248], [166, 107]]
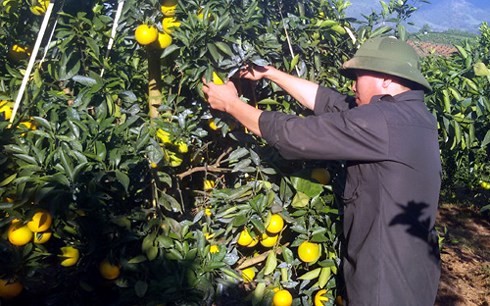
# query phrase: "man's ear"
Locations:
[[387, 82]]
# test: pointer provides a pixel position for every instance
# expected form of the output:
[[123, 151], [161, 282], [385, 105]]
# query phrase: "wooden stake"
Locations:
[[154, 83]]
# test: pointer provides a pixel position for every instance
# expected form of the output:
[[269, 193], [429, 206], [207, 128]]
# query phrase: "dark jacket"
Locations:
[[391, 193]]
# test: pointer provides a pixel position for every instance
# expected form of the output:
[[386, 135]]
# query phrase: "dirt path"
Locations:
[[465, 278]]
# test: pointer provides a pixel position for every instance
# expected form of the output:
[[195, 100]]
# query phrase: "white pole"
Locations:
[[113, 32], [32, 60], [46, 48]]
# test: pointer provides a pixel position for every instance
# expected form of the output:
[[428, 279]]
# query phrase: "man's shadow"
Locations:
[[418, 225]]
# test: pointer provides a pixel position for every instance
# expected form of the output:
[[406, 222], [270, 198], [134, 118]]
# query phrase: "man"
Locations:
[[390, 143]]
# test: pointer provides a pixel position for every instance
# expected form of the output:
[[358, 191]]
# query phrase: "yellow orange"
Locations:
[[145, 34], [19, 234], [69, 255], [309, 251], [108, 270], [10, 289], [276, 224], [282, 298], [40, 221]]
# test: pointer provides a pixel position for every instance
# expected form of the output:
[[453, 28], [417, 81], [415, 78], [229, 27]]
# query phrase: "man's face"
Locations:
[[367, 85]]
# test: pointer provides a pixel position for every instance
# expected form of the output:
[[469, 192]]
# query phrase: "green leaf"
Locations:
[[8, 180], [306, 186], [270, 263], [310, 275], [324, 276], [481, 69], [123, 178], [300, 200], [140, 288]]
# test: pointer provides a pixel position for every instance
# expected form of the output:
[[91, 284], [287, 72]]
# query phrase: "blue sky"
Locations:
[[440, 15]]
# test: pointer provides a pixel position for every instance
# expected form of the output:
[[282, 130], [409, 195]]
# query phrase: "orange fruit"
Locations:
[[216, 79], [10, 289], [69, 255], [212, 124], [213, 249], [168, 7], [6, 108], [163, 40], [276, 224], [208, 212], [244, 239], [282, 298], [18, 53], [248, 275], [108, 270], [321, 175], [320, 298], [40, 8], [40, 221], [208, 185], [19, 234], [169, 24], [309, 251], [268, 241], [145, 34], [42, 237]]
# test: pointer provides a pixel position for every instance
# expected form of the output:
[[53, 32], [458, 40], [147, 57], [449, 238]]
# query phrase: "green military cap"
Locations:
[[387, 55]]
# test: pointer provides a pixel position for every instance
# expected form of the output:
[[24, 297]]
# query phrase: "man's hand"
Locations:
[[225, 98], [253, 73], [220, 96]]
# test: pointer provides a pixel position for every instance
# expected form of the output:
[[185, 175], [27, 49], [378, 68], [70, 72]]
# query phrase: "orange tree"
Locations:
[[461, 105], [142, 179]]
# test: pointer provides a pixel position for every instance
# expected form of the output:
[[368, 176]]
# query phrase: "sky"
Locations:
[[439, 15]]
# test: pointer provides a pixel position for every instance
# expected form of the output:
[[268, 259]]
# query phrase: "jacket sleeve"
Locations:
[[357, 134], [328, 100]]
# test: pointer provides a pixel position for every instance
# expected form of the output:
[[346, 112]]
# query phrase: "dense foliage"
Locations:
[[149, 191]]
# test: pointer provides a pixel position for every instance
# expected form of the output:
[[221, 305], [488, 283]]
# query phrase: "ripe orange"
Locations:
[[17, 53], [208, 185], [69, 255], [163, 135], [169, 24], [254, 242], [42, 237], [40, 8], [163, 41], [212, 124], [282, 298], [168, 7], [30, 125], [10, 289], [276, 224], [108, 270], [320, 297], [145, 34], [182, 147], [6, 108], [485, 185], [309, 251], [248, 275], [244, 239], [19, 234], [213, 249], [268, 241], [40, 221], [216, 79], [321, 175]]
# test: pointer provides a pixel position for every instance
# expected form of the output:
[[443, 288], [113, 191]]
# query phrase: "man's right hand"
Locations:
[[253, 73]]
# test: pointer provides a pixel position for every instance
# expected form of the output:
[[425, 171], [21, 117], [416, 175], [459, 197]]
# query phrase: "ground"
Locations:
[[465, 277]]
